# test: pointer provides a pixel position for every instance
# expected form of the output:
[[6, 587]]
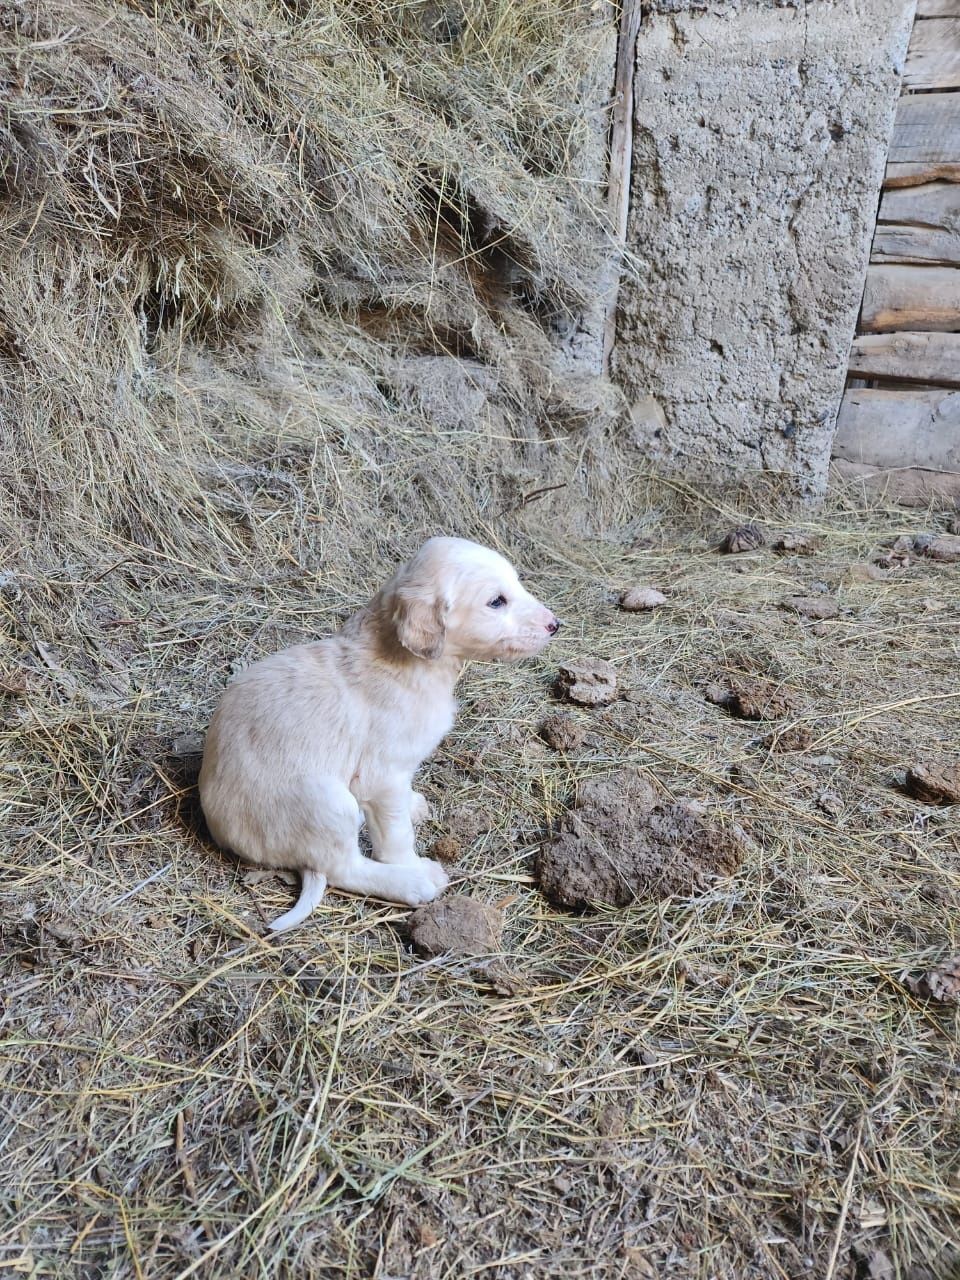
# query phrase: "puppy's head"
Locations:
[[459, 600]]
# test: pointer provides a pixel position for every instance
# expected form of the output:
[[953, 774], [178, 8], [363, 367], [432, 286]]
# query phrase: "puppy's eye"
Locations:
[[498, 603]]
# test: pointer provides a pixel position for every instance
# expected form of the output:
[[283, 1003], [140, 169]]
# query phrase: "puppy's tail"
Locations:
[[313, 888]]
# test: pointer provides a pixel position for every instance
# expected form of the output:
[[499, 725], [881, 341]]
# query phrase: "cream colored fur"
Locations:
[[308, 743]]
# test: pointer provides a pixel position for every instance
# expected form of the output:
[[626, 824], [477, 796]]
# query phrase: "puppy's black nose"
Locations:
[[553, 627]]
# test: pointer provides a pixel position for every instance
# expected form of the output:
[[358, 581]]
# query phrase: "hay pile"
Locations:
[[283, 292], [261, 262]]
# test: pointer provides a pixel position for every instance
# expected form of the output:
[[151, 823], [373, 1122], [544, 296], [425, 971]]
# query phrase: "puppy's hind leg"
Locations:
[[324, 835]]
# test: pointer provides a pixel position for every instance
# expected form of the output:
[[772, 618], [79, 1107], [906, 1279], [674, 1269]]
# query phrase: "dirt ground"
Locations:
[[748, 1080]]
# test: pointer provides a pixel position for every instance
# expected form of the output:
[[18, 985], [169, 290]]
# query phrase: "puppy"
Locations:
[[308, 743]]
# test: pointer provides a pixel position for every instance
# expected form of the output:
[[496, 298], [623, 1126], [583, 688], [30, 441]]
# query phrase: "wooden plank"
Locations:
[[907, 174], [916, 245], [925, 299], [933, 58], [908, 486], [938, 9], [935, 204], [908, 357], [900, 429], [925, 144]]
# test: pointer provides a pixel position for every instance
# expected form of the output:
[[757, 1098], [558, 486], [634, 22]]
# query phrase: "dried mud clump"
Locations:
[[745, 537], [940, 983], [458, 926], [753, 698], [591, 682], [562, 733], [622, 841], [935, 782]]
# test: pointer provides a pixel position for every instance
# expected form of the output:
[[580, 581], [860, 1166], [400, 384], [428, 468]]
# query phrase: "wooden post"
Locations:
[[621, 154]]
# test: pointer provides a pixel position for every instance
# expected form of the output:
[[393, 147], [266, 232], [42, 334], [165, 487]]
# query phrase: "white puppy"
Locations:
[[308, 743]]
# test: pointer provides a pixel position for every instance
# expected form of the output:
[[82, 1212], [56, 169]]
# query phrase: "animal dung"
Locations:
[[640, 599], [456, 925], [445, 849], [944, 547], [818, 608], [745, 537], [562, 732], [935, 782], [621, 841], [591, 682], [796, 544], [753, 698], [941, 983]]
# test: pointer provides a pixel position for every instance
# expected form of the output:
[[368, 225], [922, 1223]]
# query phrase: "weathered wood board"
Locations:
[[926, 140], [933, 59], [908, 357], [938, 9], [934, 204], [902, 438], [916, 245], [911, 298], [900, 429], [910, 486]]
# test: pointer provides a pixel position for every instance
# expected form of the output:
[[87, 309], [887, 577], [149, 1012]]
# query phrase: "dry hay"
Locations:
[[188, 1098], [265, 268], [225, 298]]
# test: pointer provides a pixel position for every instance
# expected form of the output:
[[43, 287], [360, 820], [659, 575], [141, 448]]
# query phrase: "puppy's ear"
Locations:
[[421, 621]]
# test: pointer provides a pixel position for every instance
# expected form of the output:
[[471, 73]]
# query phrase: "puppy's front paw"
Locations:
[[419, 809], [426, 880]]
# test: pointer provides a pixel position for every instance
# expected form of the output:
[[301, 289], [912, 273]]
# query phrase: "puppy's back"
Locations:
[[281, 724]]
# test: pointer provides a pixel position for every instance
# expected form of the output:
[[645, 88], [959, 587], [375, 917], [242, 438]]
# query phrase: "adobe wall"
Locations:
[[759, 146]]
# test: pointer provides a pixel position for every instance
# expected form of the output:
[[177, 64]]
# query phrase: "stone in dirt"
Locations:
[[753, 698], [745, 537], [818, 608], [935, 782], [940, 983], [622, 841], [562, 733], [591, 682], [456, 925], [640, 599]]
